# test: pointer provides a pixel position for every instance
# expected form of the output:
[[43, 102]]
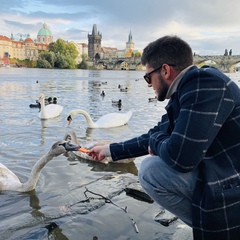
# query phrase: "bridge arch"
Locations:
[[224, 63], [121, 65]]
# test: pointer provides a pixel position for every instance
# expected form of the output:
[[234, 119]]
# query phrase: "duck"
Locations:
[[97, 84], [102, 93], [54, 100], [106, 121], [152, 99], [72, 139], [35, 105], [49, 111], [9, 180], [117, 103], [124, 89], [48, 100]]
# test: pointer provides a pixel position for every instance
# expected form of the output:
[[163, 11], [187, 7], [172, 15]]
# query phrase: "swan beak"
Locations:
[[70, 147], [69, 118]]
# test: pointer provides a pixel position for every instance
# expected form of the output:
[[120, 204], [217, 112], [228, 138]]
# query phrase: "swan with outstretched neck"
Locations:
[[49, 111], [72, 138], [106, 121], [9, 180]]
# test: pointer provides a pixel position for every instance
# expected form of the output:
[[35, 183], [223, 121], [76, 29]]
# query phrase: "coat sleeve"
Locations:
[[199, 108], [137, 146]]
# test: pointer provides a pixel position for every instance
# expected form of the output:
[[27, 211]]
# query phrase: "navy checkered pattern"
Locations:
[[201, 129]]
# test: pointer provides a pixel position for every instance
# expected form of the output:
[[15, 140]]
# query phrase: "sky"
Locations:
[[209, 26]]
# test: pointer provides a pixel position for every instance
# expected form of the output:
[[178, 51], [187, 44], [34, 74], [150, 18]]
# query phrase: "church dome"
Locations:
[[44, 31], [28, 39], [44, 35]]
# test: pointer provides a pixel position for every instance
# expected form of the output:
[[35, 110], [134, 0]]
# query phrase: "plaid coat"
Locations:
[[201, 129]]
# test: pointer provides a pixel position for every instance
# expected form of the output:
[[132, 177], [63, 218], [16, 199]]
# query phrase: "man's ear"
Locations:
[[169, 73], [166, 71]]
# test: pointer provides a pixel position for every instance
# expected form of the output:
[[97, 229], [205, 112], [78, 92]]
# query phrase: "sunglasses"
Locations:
[[147, 76]]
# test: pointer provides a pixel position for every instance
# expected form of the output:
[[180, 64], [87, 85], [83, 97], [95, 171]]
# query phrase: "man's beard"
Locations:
[[163, 91]]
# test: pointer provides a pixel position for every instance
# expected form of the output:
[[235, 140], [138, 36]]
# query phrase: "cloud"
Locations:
[[209, 26]]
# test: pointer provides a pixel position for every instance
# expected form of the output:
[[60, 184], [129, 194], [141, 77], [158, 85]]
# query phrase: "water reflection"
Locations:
[[107, 133], [25, 138], [55, 232], [119, 168]]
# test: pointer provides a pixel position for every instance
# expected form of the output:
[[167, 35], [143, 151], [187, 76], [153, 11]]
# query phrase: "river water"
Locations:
[[25, 138]]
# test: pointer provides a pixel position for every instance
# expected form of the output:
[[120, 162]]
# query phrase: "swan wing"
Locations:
[[113, 120], [8, 179], [51, 111]]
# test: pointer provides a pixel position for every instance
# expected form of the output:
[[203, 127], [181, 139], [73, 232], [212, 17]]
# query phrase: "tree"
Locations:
[[58, 47], [71, 50], [83, 64], [46, 59], [42, 63], [137, 55], [61, 61], [60, 54]]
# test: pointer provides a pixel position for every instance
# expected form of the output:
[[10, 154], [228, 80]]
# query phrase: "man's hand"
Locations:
[[97, 153]]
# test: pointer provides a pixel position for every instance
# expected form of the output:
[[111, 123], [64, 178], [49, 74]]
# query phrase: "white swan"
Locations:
[[49, 111], [106, 121], [9, 181], [72, 138]]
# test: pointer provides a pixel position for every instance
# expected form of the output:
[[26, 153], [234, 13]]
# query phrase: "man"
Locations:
[[193, 169]]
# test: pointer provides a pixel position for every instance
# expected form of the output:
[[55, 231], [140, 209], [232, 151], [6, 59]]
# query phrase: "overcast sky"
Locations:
[[209, 26]]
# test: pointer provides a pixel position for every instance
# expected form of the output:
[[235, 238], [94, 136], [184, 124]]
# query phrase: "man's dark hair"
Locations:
[[170, 50]]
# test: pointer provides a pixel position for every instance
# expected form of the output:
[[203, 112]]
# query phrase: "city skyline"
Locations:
[[209, 27]]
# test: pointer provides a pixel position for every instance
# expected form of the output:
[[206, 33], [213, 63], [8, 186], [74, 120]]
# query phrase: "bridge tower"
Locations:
[[94, 44], [129, 46]]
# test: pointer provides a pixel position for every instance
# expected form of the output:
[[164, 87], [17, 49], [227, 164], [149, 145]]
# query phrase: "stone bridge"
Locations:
[[224, 63]]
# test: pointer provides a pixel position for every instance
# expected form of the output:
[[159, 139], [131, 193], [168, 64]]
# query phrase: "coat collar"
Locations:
[[176, 81]]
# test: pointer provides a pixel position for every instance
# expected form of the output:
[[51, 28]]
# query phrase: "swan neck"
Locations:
[[90, 122], [35, 173], [43, 110]]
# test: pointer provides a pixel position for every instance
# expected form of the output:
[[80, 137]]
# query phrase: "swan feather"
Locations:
[[72, 138], [9, 181], [106, 121], [50, 110]]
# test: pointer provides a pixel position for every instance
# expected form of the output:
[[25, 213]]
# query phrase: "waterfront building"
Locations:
[[45, 35], [129, 47], [82, 48], [94, 44], [108, 52], [29, 49], [24, 49]]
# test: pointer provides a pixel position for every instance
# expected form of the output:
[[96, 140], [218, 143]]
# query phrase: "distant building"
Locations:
[[45, 35], [109, 52], [85, 49], [94, 44], [24, 49], [129, 43], [82, 48], [129, 47], [29, 49]]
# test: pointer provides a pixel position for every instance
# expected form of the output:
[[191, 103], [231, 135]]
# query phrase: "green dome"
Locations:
[[44, 31]]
